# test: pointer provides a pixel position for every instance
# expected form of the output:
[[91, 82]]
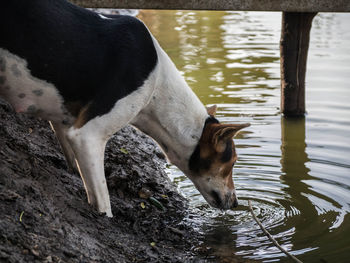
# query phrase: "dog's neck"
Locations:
[[174, 117]]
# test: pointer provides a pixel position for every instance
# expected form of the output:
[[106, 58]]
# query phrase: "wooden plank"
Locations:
[[294, 47], [244, 5]]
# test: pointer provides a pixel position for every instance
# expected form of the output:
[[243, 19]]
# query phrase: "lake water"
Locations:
[[295, 171]]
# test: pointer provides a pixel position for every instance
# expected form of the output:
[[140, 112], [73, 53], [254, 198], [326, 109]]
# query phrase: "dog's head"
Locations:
[[212, 162]]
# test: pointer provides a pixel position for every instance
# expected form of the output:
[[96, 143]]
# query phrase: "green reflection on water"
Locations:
[[215, 59], [314, 213]]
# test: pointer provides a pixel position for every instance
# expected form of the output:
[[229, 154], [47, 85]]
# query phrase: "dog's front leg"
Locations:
[[88, 142], [89, 146]]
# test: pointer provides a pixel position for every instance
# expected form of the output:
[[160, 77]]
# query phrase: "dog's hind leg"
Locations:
[[61, 134]]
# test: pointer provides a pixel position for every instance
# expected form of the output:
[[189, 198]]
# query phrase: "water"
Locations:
[[295, 171]]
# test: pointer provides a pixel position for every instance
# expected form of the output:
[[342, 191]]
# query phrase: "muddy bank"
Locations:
[[45, 216]]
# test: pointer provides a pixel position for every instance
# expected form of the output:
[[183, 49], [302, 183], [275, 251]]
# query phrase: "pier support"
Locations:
[[294, 45]]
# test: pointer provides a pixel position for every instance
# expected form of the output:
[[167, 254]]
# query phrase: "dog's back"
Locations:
[[91, 62]]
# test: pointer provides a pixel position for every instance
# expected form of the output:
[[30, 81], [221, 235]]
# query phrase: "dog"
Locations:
[[90, 75]]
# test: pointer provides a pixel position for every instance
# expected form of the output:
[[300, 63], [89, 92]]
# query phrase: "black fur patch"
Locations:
[[196, 163], [209, 120], [227, 154], [87, 58], [195, 160]]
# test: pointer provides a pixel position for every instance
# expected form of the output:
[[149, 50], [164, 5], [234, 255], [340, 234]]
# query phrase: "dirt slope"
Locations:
[[44, 214]]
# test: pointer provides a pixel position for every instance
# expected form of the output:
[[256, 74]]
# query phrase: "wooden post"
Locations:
[[294, 46]]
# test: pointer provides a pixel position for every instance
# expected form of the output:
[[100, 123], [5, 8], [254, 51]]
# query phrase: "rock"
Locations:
[[144, 193]]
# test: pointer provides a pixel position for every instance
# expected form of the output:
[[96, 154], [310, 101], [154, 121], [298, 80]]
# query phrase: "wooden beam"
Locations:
[[246, 5], [294, 47]]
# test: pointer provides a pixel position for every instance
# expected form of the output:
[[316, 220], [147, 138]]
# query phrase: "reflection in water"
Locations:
[[293, 161], [300, 212], [219, 243], [295, 171], [309, 211]]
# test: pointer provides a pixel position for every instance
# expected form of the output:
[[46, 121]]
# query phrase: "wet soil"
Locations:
[[45, 216]]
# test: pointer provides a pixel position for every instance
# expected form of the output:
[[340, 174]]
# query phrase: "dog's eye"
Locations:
[[233, 164]]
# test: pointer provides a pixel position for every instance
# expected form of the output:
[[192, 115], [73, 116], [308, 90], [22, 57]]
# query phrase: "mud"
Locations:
[[45, 216]]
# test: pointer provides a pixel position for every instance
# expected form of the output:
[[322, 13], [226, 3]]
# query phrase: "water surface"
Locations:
[[295, 171]]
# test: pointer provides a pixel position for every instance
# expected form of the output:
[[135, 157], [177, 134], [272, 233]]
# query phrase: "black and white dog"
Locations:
[[91, 75]]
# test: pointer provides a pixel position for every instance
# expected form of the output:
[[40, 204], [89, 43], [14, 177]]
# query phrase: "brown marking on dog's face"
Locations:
[[212, 162]]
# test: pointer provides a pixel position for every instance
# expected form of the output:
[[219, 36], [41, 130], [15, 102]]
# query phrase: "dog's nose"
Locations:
[[228, 202]]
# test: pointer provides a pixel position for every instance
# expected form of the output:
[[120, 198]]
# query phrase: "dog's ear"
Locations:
[[224, 133], [212, 110]]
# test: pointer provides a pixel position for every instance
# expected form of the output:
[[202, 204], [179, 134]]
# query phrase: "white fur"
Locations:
[[175, 116]]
